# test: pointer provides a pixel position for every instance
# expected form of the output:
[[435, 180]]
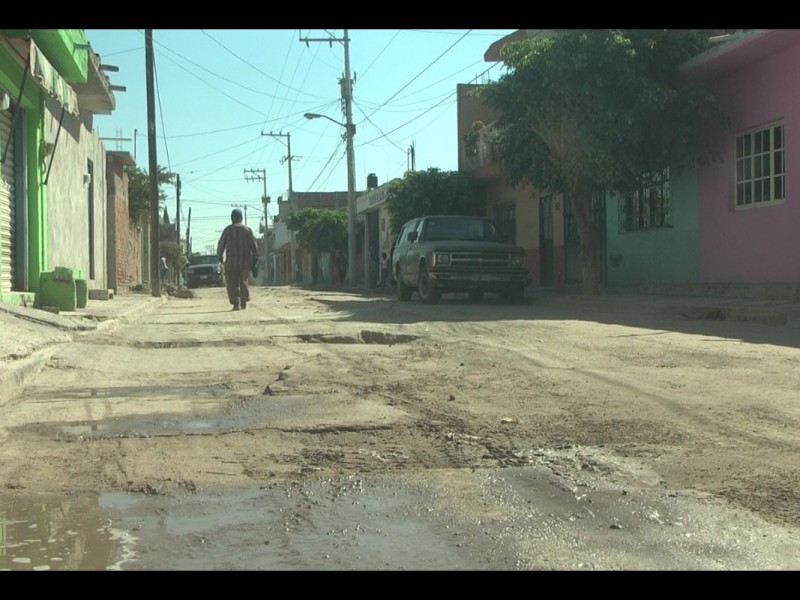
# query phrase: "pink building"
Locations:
[[749, 204]]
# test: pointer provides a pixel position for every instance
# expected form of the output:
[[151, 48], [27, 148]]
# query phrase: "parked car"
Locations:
[[439, 254], [204, 269]]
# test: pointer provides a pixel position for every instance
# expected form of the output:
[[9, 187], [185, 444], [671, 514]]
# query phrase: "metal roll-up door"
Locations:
[[7, 202]]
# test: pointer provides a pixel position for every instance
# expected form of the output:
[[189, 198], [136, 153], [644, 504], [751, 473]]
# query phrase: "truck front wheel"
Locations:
[[426, 288]]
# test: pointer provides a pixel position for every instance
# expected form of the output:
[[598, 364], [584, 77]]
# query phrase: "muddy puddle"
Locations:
[[332, 524], [522, 518]]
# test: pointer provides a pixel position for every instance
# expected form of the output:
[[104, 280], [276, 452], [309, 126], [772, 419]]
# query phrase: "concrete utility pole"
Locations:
[[155, 279], [178, 209], [261, 175], [347, 97], [188, 232], [288, 160]]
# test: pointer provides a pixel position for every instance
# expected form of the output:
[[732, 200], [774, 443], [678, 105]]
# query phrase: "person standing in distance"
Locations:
[[238, 245]]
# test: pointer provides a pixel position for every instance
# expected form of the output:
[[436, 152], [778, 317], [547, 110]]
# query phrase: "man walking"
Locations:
[[238, 244]]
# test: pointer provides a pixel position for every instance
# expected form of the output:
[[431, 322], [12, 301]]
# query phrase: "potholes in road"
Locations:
[[363, 337], [342, 523], [496, 519]]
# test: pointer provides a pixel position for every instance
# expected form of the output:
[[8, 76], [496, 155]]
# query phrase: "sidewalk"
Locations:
[[28, 335]]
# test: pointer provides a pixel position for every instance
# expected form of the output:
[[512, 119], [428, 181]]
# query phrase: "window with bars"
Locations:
[[647, 207], [760, 174], [507, 222]]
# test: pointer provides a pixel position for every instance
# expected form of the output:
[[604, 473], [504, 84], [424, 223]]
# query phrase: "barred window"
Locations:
[[647, 207], [760, 174], [507, 222]]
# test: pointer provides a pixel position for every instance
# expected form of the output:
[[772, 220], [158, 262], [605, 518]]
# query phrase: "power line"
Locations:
[[421, 72], [422, 114], [364, 72], [214, 87], [161, 112], [267, 75]]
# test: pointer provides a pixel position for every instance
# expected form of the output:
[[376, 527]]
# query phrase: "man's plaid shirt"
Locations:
[[238, 244]]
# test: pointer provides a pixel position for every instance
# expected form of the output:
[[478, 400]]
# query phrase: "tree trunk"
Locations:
[[582, 206]]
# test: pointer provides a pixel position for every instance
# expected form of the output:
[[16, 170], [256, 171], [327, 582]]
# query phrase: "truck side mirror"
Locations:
[[412, 235]]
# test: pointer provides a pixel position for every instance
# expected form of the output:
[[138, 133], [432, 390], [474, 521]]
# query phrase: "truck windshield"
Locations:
[[466, 229]]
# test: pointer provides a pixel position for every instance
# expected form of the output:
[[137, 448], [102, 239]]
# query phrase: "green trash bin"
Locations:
[[57, 288]]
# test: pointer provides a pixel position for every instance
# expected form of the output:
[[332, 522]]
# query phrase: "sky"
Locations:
[[228, 103]]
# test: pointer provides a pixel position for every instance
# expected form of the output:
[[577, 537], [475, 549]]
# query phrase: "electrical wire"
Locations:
[[267, 75], [161, 112], [418, 75]]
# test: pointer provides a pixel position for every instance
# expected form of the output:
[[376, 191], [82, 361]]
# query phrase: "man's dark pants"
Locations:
[[236, 285]]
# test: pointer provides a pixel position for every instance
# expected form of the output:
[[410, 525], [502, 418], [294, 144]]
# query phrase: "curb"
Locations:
[[14, 378], [136, 311], [15, 375]]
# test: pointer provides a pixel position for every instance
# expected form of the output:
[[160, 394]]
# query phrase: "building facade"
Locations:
[[53, 198]]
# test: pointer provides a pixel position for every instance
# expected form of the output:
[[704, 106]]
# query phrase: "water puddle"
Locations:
[[335, 524], [55, 534]]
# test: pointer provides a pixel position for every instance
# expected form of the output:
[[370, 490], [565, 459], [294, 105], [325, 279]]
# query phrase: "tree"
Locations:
[[320, 230], [432, 192], [588, 111], [176, 257], [139, 192]]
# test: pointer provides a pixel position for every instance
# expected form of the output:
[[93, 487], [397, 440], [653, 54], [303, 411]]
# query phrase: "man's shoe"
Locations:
[[235, 307], [244, 305]]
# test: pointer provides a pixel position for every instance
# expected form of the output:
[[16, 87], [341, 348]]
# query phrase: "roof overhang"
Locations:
[[96, 95], [28, 55], [740, 49]]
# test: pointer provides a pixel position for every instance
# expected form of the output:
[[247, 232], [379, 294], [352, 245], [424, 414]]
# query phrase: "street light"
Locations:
[[350, 131]]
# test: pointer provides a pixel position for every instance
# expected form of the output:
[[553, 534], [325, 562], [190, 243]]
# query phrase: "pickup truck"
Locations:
[[204, 269], [438, 254]]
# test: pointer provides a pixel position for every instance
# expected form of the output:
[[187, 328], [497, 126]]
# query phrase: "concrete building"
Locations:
[[53, 197], [371, 210]]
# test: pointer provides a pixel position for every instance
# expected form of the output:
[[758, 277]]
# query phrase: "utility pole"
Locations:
[[411, 157], [261, 175], [178, 219], [155, 279], [347, 96], [288, 160], [178, 209], [188, 230], [289, 157]]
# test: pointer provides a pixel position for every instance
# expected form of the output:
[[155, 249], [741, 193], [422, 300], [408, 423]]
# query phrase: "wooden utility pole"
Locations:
[[188, 231], [178, 209], [155, 279]]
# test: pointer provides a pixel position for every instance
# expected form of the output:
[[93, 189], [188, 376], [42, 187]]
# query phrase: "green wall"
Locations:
[[664, 255], [32, 102], [58, 46]]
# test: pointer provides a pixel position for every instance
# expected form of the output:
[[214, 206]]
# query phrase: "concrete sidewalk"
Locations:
[[28, 336]]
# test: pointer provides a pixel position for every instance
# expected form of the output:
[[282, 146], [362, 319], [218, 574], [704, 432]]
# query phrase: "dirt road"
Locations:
[[325, 430]]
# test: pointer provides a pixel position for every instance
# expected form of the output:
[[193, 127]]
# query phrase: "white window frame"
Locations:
[[760, 166]]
